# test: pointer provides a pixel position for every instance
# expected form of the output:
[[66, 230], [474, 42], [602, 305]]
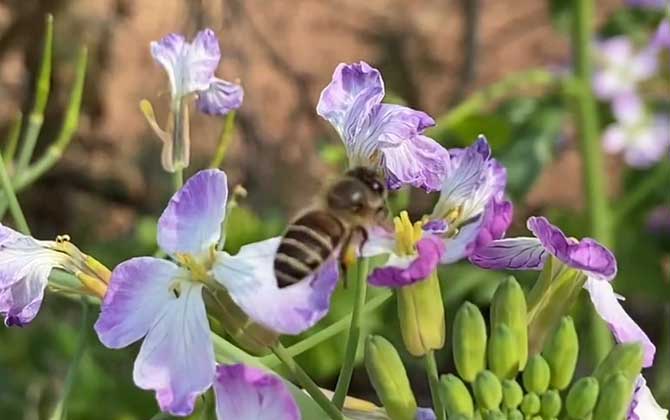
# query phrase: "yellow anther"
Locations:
[[100, 270], [198, 270], [406, 234], [94, 285], [453, 214]]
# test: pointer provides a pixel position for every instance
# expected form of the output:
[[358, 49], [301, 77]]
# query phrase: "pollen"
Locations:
[[407, 234], [199, 271]]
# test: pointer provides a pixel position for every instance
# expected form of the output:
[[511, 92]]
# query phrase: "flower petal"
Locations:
[[250, 280], [662, 36], [220, 98], [245, 392], [138, 291], [177, 356], [402, 271], [190, 66], [425, 414], [587, 255], [511, 254], [419, 161], [380, 241], [191, 222], [621, 324], [497, 219], [20, 302], [350, 96], [644, 406]]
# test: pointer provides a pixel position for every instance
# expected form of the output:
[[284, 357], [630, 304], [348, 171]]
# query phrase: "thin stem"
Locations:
[[225, 139], [36, 118], [306, 382], [13, 138], [659, 177], [59, 411], [330, 331], [347, 371], [434, 382], [178, 179], [14, 206], [586, 114]]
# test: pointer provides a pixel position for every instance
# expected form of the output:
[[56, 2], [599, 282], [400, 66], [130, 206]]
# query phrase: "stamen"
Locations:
[[407, 234]]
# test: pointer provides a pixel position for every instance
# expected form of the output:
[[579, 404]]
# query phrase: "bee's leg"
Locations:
[[347, 257], [364, 238]]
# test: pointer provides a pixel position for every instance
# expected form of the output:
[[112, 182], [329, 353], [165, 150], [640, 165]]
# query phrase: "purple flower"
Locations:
[[620, 67], [658, 221], [377, 134], [652, 4], [25, 266], [642, 138], [425, 414], [644, 406], [587, 255], [190, 68], [161, 300], [662, 37], [244, 392], [471, 209]]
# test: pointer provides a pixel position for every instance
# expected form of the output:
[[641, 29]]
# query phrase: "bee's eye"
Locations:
[[377, 186]]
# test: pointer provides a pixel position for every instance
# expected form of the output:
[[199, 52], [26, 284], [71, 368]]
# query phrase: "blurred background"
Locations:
[[109, 188]]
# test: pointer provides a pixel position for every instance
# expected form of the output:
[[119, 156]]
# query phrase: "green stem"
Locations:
[[586, 114], [306, 382], [347, 371], [178, 179], [36, 118], [14, 206], [225, 139], [659, 177], [330, 331], [13, 138], [434, 382], [59, 411]]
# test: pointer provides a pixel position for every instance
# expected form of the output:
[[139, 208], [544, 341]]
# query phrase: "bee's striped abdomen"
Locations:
[[307, 243]]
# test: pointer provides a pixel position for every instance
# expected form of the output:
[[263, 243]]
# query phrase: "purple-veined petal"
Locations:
[[620, 323], [401, 271], [177, 356], [245, 392], [587, 254], [497, 219], [420, 161], [249, 278], [190, 66], [25, 265], [463, 244], [511, 254], [220, 98], [644, 405], [191, 222], [138, 291], [350, 96]]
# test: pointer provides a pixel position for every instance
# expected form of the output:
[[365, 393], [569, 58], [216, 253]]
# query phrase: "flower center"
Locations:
[[406, 234], [197, 267]]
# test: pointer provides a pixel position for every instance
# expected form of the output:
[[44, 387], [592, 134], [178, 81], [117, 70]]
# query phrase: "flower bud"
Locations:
[[561, 354], [550, 404], [615, 397], [514, 415], [502, 352], [509, 307], [469, 342], [456, 398], [488, 390], [625, 358], [536, 376], [530, 404], [389, 378], [421, 315], [582, 398], [512, 394], [494, 415]]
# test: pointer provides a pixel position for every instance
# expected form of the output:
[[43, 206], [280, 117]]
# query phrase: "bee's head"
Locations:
[[360, 196]]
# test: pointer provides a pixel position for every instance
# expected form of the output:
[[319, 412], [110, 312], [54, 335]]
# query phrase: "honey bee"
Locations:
[[353, 204]]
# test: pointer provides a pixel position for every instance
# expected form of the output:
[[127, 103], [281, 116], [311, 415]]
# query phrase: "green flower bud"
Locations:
[[421, 315], [488, 390], [456, 397], [469, 342], [389, 378], [494, 415], [625, 358], [582, 398], [514, 415], [530, 404], [537, 374], [502, 352], [550, 404], [561, 354], [509, 307], [615, 398], [512, 394]]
